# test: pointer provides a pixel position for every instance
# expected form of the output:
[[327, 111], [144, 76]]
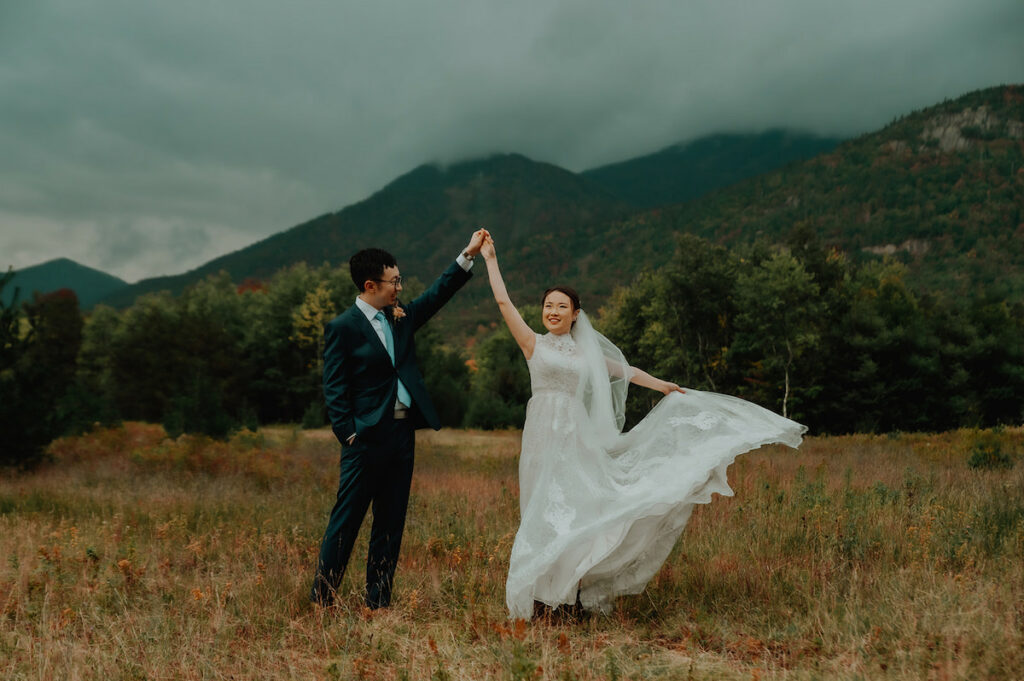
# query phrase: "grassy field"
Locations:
[[131, 556]]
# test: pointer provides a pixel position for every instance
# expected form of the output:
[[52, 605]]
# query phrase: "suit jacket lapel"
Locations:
[[367, 328]]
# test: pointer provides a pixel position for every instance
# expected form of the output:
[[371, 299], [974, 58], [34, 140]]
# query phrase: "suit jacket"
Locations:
[[360, 383]]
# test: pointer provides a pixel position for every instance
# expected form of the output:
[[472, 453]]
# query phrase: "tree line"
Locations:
[[796, 327], [840, 346], [215, 359]]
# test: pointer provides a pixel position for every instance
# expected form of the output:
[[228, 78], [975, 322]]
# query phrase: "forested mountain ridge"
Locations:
[[541, 215], [683, 172], [548, 221], [942, 189], [89, 284]]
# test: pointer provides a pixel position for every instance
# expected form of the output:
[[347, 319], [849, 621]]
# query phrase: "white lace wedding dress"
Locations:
[[600, 509]]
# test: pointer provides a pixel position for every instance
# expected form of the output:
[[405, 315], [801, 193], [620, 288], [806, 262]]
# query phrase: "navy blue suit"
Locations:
[[360, 387]]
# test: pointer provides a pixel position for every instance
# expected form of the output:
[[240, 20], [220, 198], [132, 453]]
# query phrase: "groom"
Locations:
[[376, 400]]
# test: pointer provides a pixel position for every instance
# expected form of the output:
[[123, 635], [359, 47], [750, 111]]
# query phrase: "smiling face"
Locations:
[[557, 313], [384, 292]]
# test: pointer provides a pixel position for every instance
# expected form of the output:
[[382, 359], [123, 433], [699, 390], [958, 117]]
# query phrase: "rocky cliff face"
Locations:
[[916, 248], [954, 132]]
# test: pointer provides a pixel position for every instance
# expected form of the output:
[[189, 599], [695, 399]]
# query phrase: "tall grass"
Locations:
[[132, 556]]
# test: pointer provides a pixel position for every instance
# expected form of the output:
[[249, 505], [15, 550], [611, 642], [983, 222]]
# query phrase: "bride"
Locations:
[[600, 509]]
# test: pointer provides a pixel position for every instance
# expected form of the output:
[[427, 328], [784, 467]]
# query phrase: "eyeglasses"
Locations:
[[396, 282]]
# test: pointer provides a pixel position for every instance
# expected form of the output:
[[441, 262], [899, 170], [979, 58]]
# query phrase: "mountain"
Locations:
[[547, 220], [90, 285], [542, 216], [942, 189], [683, 172]]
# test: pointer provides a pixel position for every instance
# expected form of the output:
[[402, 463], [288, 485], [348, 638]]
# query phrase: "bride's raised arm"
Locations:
[[521, 331]]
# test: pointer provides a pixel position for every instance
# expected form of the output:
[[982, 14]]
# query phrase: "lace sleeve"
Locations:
[[619, 369]]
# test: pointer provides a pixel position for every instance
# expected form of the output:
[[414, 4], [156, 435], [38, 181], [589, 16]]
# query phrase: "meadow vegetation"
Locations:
[[130, 555]]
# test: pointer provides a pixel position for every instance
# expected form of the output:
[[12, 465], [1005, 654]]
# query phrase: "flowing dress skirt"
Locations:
[[600, 518]]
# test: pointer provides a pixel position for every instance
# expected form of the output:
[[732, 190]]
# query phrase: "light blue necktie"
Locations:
[[389, 342]]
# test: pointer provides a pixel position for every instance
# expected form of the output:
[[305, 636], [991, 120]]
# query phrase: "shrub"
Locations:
[[988, 453], [315, 415]]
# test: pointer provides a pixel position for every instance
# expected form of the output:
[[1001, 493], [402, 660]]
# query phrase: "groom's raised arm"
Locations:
[[336, 385], [440, 292], [444, 287]]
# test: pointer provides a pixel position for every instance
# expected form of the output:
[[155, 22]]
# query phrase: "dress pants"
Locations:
[[376, 470]]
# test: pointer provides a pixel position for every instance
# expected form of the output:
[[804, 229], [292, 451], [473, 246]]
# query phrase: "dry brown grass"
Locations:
[[132, 557]]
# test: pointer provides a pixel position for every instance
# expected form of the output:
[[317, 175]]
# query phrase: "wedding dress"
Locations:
[[600, 509]]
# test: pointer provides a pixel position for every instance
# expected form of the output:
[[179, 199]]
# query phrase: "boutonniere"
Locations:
[[397, 313]]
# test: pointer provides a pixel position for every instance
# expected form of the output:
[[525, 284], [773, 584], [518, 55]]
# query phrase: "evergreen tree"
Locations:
[[40, 369]]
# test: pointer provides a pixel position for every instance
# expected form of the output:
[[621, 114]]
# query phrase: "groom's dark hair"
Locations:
[[369, 263]]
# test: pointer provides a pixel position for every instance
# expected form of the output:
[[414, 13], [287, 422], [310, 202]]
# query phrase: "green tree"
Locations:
[[145, 358], [308, 322], [11, 340], [698, 308], [500, 384], [40, 370], [281, 383], [634, 320], [177, 360], [445, 374], [12, 345], [994, 361], [778, 321], [94, 382], [677, 322]]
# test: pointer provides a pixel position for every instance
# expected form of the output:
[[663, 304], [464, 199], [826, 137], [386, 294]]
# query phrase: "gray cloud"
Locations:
[[147, 138]]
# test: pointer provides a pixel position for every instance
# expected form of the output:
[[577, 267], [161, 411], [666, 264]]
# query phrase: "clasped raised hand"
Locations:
[[476, 241], [487, 250]]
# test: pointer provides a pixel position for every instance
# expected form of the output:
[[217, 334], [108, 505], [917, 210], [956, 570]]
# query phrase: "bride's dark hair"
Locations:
[[574, 298], [567, 290]]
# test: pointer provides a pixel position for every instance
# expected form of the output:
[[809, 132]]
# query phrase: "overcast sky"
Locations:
[[145, 138]]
